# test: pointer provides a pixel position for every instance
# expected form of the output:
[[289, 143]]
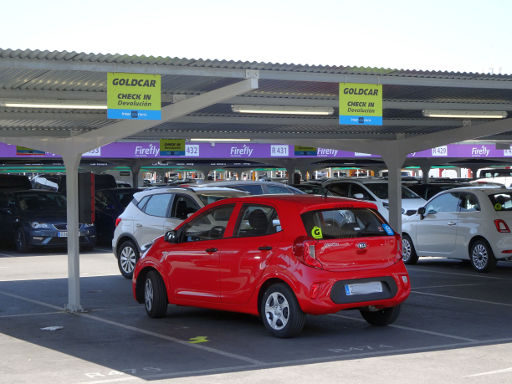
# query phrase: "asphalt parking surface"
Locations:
[[455, 327]]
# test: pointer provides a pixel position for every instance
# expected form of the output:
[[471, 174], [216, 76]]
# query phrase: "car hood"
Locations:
[[408, 204], [45, 217]]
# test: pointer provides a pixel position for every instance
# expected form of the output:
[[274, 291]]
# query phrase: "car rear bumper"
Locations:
[[329, 292]]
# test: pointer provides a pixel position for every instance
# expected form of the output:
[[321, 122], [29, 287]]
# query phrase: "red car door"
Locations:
[[194, 263], [243, 257]]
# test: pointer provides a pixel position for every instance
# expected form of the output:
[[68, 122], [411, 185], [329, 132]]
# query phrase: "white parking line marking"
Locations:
[[450, 285], [462, 298], [413, 329], [479, 275], [143, 331], [31, 314], [506, 370]]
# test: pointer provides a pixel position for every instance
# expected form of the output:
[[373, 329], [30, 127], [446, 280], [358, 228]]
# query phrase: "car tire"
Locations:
[[20, 241], [481, 256], [381, 317], [280, 311], [155, 296], [409, 255], [127, 256]]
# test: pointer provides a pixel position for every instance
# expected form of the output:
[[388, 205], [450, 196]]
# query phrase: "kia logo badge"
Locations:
[[361, 245]]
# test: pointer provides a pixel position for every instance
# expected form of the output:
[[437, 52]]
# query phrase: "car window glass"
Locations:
[[340, 189], [157, 205], [344, 223], [501, 201], [275, 189], [32, 201], [469, 203], [104, 200], [447, 202], [143, 202], [183, 205], [210, 225], [257, 220], [252, 189]]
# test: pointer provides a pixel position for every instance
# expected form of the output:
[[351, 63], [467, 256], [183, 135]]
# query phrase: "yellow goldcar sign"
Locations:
[[134, 96], [360, 104]]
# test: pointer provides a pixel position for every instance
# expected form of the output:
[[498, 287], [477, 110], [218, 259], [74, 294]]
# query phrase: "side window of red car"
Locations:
[[208, 226], [257, 220]]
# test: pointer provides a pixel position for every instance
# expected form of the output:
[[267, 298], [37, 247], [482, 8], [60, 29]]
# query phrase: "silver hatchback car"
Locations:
[[154, 211]]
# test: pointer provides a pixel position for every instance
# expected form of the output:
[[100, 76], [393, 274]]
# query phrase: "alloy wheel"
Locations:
[[127, 259], [480, 256], [277, 311], [148, 294]]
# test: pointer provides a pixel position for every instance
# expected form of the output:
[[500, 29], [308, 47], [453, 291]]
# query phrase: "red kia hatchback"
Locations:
[[280, 257]]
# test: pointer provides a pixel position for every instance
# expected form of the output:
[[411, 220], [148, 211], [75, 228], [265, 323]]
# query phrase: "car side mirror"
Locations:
[[421, 212], [171, 236], [359, 196]]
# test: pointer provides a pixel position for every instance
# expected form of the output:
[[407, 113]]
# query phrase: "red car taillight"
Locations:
[[398, 246], [305, 251], [118, 220], [501, 226]]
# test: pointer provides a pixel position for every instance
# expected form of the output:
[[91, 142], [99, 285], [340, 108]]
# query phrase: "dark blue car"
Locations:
[[37, 218]]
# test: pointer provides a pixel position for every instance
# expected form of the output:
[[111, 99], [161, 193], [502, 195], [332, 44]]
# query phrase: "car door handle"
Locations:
[[138, 225], [267, 248], [211, 250], [452, 223]]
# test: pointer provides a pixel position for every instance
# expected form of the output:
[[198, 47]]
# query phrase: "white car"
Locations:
[[464, 223], [374, 191], [153, 212]]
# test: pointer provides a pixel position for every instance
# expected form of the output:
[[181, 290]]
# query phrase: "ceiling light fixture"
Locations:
[[283, 110], [51, 105], [225, 140], [459, 114]]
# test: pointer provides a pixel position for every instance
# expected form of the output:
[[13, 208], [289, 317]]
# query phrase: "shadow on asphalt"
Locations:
[[116, 334]]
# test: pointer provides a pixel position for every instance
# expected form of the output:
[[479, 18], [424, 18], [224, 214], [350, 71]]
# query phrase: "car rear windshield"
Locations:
[[501, 201], [345, 223]]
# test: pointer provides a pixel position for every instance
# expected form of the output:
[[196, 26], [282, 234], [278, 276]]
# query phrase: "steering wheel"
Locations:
[[216, 232]]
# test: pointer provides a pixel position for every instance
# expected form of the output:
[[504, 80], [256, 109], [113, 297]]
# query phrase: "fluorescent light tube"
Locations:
[[53, 105], [459, 114], [283, 110]]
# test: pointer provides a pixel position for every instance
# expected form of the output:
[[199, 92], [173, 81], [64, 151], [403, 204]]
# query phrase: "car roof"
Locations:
[[302, 203], [487, 190], [187, 189]]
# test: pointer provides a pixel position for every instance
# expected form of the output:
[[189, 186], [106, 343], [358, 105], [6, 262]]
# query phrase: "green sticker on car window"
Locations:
[[316, 232], [497, 207]]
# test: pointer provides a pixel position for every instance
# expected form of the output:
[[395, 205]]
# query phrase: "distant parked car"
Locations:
[[429, 190], [463, 223], [154, 211], [375, 191], [313, 188], [257, 187], [279, 257], [109, 204], [37, 218]]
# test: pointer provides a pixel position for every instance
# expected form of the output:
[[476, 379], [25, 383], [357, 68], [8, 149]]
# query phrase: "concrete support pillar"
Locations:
[[395, 161], [459, 171], [71, 162], [425, 169], [135, 170]]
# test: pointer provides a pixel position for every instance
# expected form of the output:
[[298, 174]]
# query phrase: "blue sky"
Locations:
[[453, 35]]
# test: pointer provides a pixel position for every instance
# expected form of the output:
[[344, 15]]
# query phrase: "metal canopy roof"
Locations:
[[70, 76]]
